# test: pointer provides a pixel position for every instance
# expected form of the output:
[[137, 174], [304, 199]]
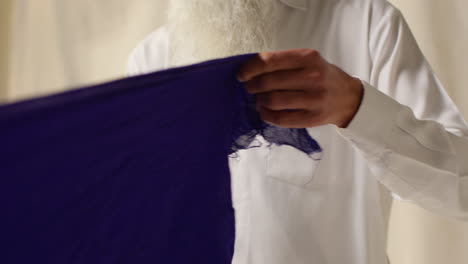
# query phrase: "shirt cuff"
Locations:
[[373, 124]]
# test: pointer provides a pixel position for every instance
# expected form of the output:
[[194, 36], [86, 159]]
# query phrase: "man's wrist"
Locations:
[[357, 88]]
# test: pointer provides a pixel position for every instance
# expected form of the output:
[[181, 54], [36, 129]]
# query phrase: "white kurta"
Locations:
[[291, 209]]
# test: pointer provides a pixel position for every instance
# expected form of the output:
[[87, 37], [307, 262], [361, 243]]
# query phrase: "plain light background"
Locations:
[[53, 45]]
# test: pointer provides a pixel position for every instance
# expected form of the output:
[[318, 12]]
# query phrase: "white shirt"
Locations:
[[292, 209]]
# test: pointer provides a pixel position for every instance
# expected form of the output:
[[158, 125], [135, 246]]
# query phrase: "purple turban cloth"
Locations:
[[132, 171]]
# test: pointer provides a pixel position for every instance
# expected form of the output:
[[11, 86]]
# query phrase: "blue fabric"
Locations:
[[131, 171]]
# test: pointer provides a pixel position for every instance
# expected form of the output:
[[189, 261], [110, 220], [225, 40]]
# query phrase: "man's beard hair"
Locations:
[[207, 29]]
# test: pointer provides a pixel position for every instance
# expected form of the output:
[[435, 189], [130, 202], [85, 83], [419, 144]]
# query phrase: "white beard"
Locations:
[[207, 29]]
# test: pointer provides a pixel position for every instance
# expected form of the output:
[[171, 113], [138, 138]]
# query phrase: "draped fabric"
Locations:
[[132, 171]]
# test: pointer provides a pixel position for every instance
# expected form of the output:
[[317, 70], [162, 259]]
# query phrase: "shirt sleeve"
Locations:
[[407, 127], [149, 55]]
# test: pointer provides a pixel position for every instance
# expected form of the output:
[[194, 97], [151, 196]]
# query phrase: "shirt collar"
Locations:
[[299, 4]]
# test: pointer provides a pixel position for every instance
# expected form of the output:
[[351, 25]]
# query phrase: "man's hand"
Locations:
[[299, 89]]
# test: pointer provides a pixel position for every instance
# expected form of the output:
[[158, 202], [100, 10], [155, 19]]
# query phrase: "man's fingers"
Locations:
[[292, 119], [290, 100], [283, 80], [276, 61]]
